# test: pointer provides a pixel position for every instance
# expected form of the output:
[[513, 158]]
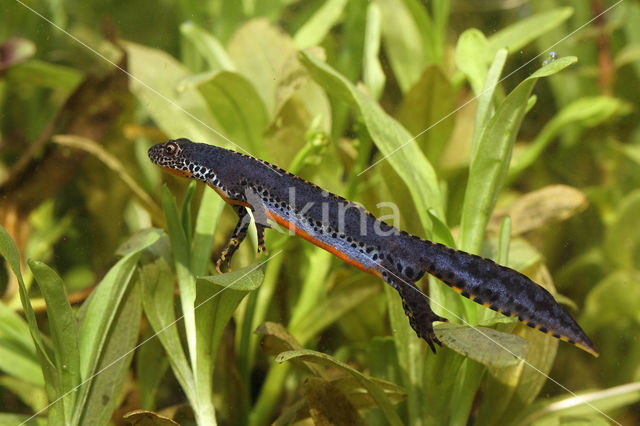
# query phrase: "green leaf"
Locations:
[[10, 253], [64, 332], [441, 233], [402, 42], [183, 114], [211, 207], [217, 299], [613, 299], [408, 161], [518, 35], [606, 400], [372, 388], [484, 345], [116, 356], [218, 296], [39, 73], [588, 111], [186, 210], [17, 351], [472, 58], [156, 279], [372, 73], [267, 70], [622, 239], [236, 104], [208, 46], [331, 308], [490, 159], [426, 111], [101, 311], [410, 350], [316, 28], [151, 364], [485, 98], [103, 306]]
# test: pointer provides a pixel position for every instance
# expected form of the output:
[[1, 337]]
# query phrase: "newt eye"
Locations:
[[171, 148]]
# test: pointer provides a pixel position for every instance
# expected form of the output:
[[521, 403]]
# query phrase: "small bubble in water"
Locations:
[[552, 56]]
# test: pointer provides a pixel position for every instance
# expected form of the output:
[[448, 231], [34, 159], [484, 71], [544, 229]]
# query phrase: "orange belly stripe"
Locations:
[[331, 249]]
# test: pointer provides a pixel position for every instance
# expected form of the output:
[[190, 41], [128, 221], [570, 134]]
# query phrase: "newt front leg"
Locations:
[[239, 234]]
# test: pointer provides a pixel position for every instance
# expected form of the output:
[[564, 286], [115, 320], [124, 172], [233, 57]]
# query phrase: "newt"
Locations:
[[356, 236]]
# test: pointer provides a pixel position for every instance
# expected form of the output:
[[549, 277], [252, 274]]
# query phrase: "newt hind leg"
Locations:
[[416, 307]]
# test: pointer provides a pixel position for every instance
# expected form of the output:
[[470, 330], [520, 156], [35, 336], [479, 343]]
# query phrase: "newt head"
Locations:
[[179, 157]]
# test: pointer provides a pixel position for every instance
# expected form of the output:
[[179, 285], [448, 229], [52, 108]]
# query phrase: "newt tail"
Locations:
[[354, 235]]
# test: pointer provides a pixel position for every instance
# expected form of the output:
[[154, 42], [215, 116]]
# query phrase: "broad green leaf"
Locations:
[[402, 42], [426, 111], [622, 239], [326, 312], [18, 357], [374, 390], [266, 70], [9, 251], [589, 111], [490, 160], [100, 312], [372, 73], [472, 58], [313, 287], [116, 356], [327, 405], [139, 241], [39, 73], [217, 298], [103, 305], [316, 28], [178, 114], [151, 363], [612, 300], [156, 279], [485, 98], [201, 391], [390, 137], [410, 350], [441, 233], [17, 362], [516, 36], [211, 206], [208, 46], [237, 105], [582, 404], [185, 216], [64, 332], [431, 18], [503, 241], [484, 345]]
